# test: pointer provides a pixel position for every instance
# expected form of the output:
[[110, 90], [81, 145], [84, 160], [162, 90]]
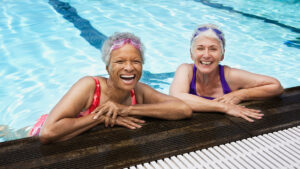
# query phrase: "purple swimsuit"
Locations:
[[226, 88]]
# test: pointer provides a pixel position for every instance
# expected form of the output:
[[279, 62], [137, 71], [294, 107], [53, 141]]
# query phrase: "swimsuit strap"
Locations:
[[97, 95], [133, 99], [193, 82], [225, 86]]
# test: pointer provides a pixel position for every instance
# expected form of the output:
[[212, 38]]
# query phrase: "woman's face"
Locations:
[[206, 53], [125, 67]]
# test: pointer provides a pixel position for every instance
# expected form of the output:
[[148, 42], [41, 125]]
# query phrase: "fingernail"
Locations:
[[94, 117]]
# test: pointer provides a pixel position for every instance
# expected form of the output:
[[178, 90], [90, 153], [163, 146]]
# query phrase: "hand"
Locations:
[[111, 110], [129, 122], [243, 112], [231, 98]]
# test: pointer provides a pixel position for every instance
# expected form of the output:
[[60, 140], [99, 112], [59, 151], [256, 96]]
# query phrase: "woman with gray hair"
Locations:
[[116, 100], [208, 86]]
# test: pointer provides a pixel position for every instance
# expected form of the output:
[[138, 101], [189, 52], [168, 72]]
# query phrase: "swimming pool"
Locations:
[[46, 46]]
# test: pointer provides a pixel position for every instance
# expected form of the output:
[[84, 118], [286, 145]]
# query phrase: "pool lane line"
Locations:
[[289, 43], [293, 43], [88, 32]]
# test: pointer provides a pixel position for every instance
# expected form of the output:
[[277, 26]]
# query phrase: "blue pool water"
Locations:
[[46, 46]]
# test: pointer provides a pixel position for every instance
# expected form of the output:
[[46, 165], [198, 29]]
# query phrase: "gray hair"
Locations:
[[106, 48], [209, 30]]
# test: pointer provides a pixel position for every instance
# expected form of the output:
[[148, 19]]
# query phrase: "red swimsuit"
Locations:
[[96, 101]]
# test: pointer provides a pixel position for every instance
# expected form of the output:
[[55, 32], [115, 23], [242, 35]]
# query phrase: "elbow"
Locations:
[[277, 88], [188, 112], [280, 89], [184, 112], [46, 136]]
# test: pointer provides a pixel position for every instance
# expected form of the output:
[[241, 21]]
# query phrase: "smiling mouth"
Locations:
[[205, 63], [127, 77]]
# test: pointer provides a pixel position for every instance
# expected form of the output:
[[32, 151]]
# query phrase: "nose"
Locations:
[[128, 66], [206, 53]]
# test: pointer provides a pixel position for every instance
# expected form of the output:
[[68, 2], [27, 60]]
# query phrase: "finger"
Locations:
[[114, 117], [254, 110], [253, 115], [101, 110], [98, 114], [96, 110], [247, 118], [136, 120], [124, 123], [217, 99], [132, 124], [107, 118], [220, 99]]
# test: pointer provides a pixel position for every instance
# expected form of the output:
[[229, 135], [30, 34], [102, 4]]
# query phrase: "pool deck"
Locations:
[[120, 147]]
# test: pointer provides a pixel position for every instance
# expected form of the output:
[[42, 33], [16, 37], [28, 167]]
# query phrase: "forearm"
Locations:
[[200, 104], [67, 128], [260, 92], [169, 110]]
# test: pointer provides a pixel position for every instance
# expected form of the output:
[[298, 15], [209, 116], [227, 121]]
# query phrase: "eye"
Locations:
[[213, 48], [200, 48], [137, 61], [119, 61]]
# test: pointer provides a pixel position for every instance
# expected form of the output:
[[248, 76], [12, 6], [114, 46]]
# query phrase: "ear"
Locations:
[[107, 69], [222, 57], [191, 55]]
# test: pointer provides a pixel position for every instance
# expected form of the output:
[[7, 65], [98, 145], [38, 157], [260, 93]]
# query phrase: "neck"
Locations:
[[116, 94], [209, 78]]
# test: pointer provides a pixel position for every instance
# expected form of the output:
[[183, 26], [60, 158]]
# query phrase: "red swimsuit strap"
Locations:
[[97, 95], [133, 99]]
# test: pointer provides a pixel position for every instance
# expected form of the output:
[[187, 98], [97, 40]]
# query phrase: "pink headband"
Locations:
[[121, 42]]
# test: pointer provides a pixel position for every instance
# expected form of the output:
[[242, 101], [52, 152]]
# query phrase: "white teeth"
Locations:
[[206, 63], [127, 76]]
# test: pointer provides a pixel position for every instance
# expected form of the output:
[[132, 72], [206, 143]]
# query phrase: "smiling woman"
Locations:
[[208, 86], [122, 96]]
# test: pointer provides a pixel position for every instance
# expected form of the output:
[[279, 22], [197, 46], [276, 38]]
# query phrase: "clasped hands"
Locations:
[[117, 114]]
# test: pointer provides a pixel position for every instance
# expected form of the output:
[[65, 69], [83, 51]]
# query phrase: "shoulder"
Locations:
[[185, 67], [88, 82], [232, 73], [184, 71], [143, 89], [140, 87]]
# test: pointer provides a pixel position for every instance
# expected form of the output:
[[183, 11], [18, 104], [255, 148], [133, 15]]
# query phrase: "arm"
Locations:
[[62, 122], [180, 89], [159, 105], [151, 104], [249, 86]]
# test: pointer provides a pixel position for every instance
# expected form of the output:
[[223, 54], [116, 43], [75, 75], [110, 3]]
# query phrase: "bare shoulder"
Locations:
[[185, 67], [141, 87], [184, 72], [86, 81]]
